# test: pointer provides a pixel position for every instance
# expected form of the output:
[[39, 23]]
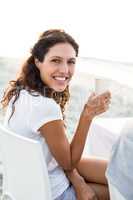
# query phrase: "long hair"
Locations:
[[29, 77]]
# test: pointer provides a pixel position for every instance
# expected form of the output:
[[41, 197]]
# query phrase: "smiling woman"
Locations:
[[35, 109]]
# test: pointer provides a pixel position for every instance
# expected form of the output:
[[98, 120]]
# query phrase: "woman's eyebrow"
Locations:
[[72, 58], [56, 57], [59, 57]]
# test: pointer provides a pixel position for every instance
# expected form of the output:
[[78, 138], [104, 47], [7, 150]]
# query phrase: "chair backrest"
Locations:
[[25, 173]]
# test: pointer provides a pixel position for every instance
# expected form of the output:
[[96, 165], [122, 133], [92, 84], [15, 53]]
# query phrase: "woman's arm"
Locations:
[[68, 155]]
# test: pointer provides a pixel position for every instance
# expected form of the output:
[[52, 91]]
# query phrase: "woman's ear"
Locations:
[[37, 63]]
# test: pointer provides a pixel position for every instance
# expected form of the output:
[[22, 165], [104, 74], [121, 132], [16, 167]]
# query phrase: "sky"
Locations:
[[103, 28]]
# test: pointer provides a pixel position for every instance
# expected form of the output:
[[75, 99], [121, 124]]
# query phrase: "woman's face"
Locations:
[[58, 66]]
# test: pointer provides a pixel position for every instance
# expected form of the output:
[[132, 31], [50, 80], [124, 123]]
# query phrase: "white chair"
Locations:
[[114, 193], [25, 172]]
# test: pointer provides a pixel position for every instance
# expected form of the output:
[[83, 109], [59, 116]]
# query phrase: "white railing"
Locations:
[[106, 70]]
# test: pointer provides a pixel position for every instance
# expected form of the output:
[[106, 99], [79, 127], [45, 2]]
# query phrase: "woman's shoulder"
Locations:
[[37, 99], [41, 107]]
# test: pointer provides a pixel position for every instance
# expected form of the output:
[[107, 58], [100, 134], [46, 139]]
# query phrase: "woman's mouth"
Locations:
[[60, 82], [61, 78]]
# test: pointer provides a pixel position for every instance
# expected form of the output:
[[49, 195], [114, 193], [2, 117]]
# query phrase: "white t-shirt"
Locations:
[[31, 112]]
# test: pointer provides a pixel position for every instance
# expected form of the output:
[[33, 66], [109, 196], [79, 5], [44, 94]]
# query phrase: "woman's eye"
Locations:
[[72, 62], [56, 61]]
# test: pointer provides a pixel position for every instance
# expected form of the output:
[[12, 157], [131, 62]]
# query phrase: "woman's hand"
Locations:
[[96, 104], [83, 191]]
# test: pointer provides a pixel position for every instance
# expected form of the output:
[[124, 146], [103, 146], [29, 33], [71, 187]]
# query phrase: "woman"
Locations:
[[36, 102]]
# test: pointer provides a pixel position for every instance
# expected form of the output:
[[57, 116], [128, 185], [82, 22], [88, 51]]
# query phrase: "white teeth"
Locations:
[[60, 78]]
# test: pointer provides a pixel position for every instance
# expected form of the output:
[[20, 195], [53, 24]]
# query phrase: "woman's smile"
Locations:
[[61, 79]]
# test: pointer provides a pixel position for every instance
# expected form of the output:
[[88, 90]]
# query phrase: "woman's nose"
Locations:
[[64, 68]]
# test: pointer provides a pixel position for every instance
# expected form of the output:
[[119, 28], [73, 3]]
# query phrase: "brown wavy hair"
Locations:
[[29, 76]]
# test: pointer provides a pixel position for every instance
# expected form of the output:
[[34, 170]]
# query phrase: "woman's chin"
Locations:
[[59, 89]]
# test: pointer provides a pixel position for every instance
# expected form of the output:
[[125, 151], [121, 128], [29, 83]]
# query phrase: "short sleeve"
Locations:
[[42, 111]]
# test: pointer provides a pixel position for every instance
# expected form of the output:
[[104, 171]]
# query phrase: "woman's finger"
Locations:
[[92, 95]]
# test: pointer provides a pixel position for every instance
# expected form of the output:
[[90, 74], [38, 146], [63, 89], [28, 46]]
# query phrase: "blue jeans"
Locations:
[[69, 193]]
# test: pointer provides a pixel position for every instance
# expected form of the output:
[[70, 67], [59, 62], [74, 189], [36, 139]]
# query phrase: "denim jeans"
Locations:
[[69, 193]]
